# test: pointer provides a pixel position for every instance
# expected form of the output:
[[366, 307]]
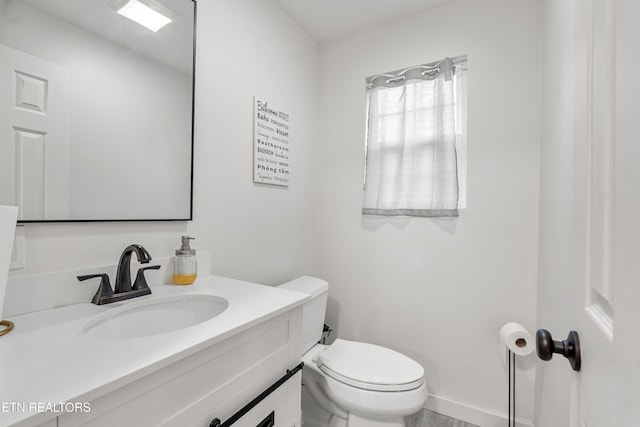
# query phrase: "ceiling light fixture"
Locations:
[[144, 15]]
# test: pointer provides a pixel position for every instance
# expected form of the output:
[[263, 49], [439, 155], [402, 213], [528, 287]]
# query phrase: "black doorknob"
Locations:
[[569, 348]]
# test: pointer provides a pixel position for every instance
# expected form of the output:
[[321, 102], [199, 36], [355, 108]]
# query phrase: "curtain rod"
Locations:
[[431, 68]]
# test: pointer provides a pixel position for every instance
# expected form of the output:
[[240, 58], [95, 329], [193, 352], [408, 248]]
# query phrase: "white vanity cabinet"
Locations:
[[184, 376], [214, 382]]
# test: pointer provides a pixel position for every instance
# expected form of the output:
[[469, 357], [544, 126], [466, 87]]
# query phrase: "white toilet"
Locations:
[[352, 384]]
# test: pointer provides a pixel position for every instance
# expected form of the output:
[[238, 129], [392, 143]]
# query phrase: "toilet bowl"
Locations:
[[349, 383]]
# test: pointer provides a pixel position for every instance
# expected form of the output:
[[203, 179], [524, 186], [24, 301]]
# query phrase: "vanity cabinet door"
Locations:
[[214, 382], [282, 406]]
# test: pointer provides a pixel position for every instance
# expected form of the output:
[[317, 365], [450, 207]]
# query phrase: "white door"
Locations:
[[34, 135], [600, 123], [623, 383], [608, 387]]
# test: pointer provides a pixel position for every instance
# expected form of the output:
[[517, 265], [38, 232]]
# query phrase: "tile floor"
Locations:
[[427, 418]]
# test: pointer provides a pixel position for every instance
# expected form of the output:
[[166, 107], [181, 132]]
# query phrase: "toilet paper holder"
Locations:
[[569, 348]]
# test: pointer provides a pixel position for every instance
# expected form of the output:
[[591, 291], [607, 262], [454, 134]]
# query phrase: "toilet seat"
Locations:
[[350, 399], [370, 367]]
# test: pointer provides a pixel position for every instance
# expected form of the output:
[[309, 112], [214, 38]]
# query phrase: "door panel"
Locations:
[[30, 172], [601, 137], [34, 135]]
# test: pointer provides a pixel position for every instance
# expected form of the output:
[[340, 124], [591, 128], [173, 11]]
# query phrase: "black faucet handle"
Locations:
[[141, 281], [104, 290]]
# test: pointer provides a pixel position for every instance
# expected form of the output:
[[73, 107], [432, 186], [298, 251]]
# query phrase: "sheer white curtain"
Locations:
[[412, 140]]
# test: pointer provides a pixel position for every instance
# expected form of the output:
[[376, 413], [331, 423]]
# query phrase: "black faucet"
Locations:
[[123, 274], [123, 289]]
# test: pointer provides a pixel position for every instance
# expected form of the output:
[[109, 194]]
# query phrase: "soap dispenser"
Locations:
[[185, 263]]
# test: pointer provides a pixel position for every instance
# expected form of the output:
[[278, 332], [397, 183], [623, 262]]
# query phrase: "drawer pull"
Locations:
[[267, 422]]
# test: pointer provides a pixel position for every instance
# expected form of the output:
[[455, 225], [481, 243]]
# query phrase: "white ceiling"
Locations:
[[329, 19], [171, 45]]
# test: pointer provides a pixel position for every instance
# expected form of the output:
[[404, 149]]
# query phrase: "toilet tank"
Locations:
[[313, 311]]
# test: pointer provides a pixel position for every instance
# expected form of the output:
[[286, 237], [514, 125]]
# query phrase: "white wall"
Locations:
[[259, 233], [256, 232], [439, 290]]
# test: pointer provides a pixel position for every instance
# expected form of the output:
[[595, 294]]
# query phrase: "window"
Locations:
[[416, 141]]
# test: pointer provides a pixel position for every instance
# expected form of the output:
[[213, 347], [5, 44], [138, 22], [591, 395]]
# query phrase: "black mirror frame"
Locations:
[[193, 110]]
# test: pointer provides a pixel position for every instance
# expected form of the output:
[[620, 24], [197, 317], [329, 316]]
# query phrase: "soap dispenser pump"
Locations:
[[185, 263]]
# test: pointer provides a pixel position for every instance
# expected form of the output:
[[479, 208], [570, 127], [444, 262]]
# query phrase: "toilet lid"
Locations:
[[370, 366]]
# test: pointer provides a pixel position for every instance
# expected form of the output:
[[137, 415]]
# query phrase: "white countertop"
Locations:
[[47, 359]]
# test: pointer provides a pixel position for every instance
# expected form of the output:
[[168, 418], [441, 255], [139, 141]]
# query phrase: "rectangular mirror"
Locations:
[[99, 126]]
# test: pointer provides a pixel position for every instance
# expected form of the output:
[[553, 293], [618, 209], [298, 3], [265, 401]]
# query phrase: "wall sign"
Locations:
[[271, 164]]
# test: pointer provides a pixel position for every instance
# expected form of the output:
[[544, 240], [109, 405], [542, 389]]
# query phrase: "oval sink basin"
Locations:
[[155, 316]]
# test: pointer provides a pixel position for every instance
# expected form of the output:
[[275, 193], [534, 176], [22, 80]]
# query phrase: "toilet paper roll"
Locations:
[[515, 337]]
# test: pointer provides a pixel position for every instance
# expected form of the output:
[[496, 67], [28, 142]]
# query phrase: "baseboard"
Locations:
[[470, 414]]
